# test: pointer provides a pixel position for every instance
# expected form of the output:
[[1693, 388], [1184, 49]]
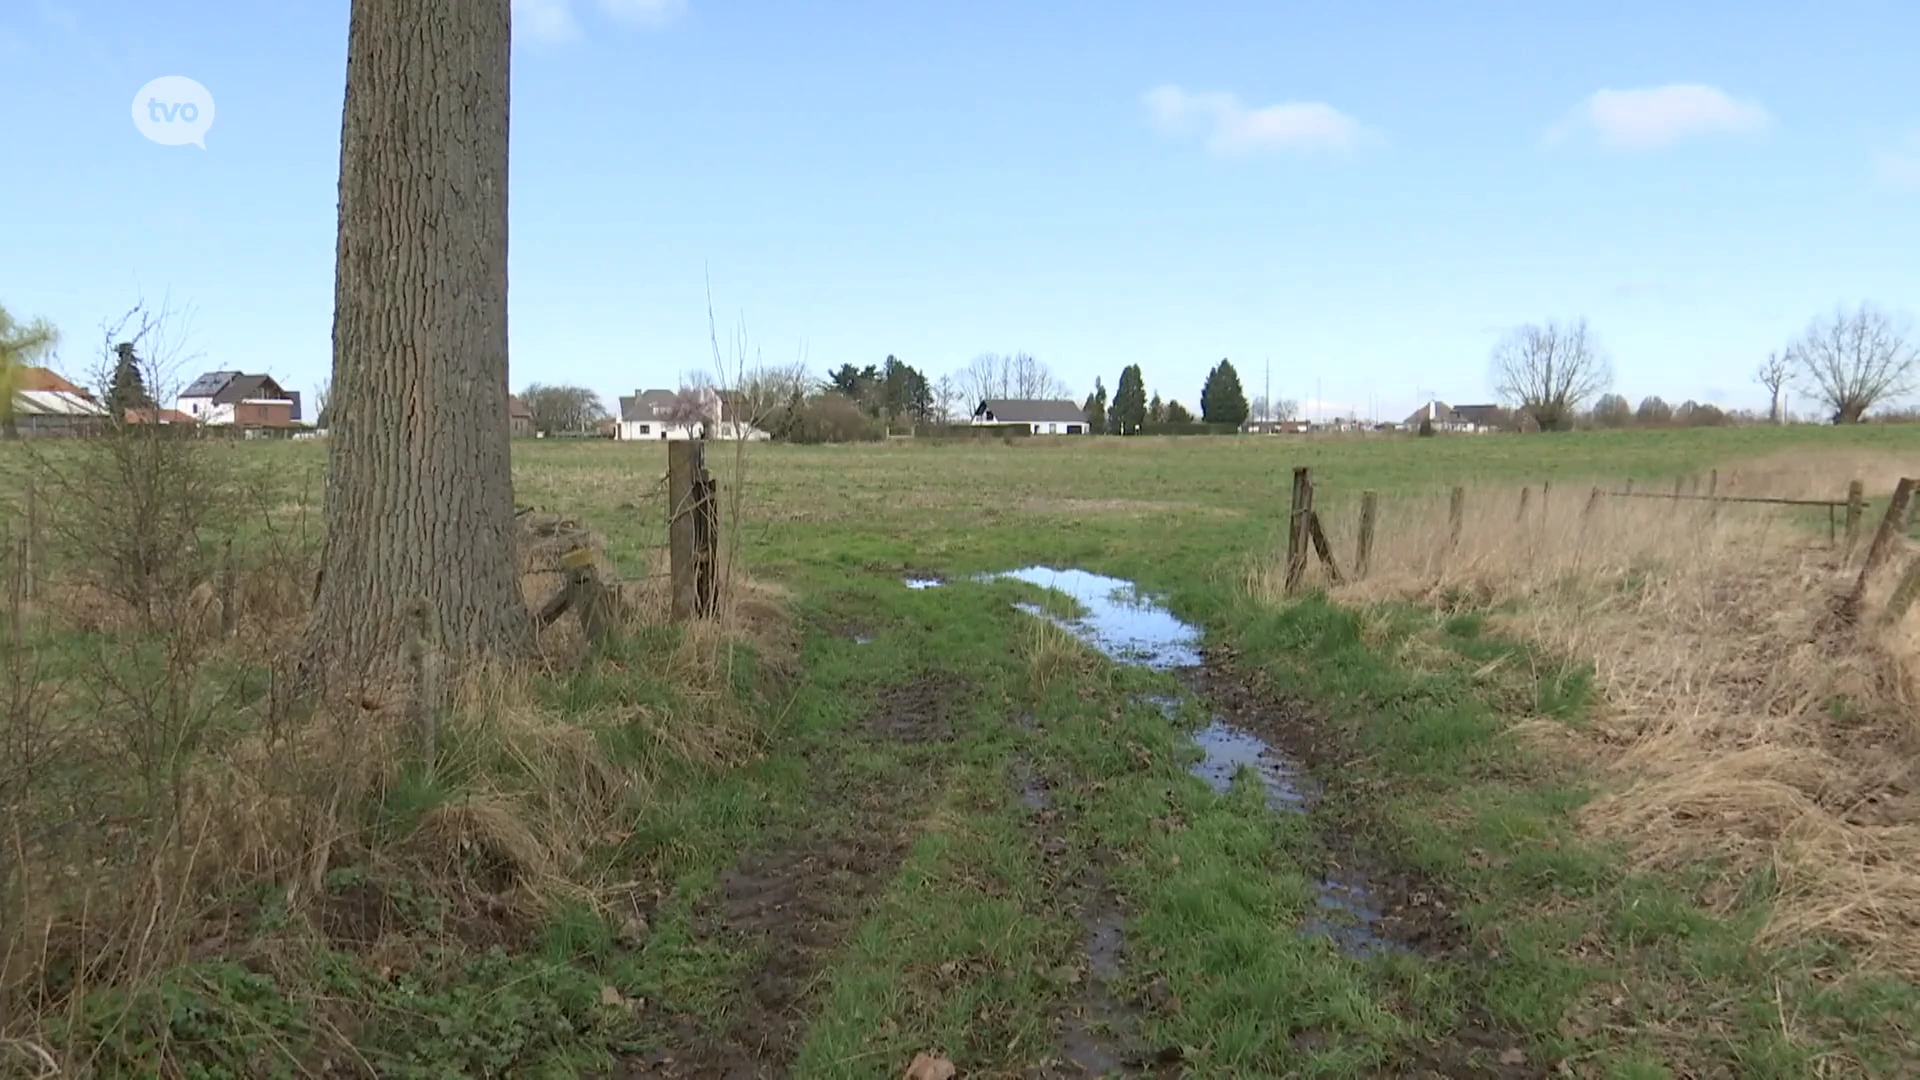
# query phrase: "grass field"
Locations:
[[853, 822]]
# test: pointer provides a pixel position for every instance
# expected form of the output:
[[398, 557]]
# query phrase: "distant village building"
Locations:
[[697, 413], [1462, 418], [1041, 417], [47, 405], [253, 403]]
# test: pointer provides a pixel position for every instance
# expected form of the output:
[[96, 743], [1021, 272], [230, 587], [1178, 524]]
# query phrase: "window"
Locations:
[[645, 429]]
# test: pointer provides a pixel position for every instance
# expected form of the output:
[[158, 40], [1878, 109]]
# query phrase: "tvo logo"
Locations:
[[174, 110]]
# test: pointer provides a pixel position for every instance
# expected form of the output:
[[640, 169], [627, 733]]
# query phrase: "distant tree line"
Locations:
[[1223, 404]]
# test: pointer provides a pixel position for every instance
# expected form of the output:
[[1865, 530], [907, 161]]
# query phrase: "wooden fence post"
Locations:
[[1629, 488], [1322, 548], [1456, 516], [1363, 558], [1882, 546], [1856, 509], [1546, 489], [1525, 494], [1679, 486], [1297, 527], [690, 529], [1713, 483], [1593, 501]]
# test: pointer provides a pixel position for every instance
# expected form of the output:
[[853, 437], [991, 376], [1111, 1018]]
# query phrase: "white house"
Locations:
[[700, 412], [1042, 417], [232, 398], [1467, 418]]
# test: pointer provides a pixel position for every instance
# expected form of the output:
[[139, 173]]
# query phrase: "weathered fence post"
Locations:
[[1456, 516], [1679, 486], [1904, 593], [1629, 487], [1546, 489], [691, 534], [1297, 527], [1713, 483], [1882, 546], [1525, 494], [1322, 548], [1363, 557], [1593, 501], [1856, 508]]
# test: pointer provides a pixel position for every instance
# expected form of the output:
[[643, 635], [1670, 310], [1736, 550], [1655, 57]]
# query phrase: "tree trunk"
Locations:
[[419, 499]]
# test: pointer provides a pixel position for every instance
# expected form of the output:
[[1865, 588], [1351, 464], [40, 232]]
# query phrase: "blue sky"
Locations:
[[1361, 195]]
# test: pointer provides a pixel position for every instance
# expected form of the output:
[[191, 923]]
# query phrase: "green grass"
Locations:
[[969, 943]]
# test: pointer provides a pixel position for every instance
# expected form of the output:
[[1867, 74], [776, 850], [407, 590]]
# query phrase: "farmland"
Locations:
[[849, 822]]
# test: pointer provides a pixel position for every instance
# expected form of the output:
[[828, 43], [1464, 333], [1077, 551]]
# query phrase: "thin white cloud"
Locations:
[[1232, 129], [546, 20], [554, 20], [1899, 168], [1659, 116], [645, 12]]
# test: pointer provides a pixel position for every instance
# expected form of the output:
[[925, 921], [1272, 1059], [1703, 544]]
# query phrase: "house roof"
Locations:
[[1481, 415], [517, 409], [158, 416], [1032, 411], [1442, 413], [39, 378], [249, 388], [54, 403], [209, 384], [646, 404]]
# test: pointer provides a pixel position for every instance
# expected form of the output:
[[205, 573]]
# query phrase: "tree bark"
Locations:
[[419, 499]]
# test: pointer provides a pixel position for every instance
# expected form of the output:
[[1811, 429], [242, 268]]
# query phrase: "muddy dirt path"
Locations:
[[1366, 904], [797, 905]]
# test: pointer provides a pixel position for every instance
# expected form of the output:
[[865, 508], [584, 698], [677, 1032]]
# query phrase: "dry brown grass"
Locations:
[[528, 794], [1742, 726]]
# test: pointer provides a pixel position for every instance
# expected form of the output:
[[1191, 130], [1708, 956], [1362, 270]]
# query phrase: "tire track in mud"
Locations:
[[1098, 1032], [797, 905]]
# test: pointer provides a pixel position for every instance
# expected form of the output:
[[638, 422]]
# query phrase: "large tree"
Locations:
[[1653, 410], [127, 389], [1549, 370], [1853, 360], [1776, 374], [1222, 401], [1129, 409], [1096, 408], [1018, 376], [563, 409], [1178, 414], [1612, 411], [419, 499], [22, 345]]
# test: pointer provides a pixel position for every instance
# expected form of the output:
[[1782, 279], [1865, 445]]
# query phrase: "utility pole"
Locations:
[[1266, 391]]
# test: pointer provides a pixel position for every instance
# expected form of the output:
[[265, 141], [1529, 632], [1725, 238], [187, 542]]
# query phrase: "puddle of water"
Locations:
[[923, 582], [1118, 621], [1134, 629], [1348, 914], [1228, 749]]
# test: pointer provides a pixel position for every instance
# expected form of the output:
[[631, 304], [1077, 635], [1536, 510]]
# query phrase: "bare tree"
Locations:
[[1033, 380], [419, 499], [1776, 374], [1855, 359], [1549, 371], [984, 377], [948, 400], [697, 407], [1013, 375]]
